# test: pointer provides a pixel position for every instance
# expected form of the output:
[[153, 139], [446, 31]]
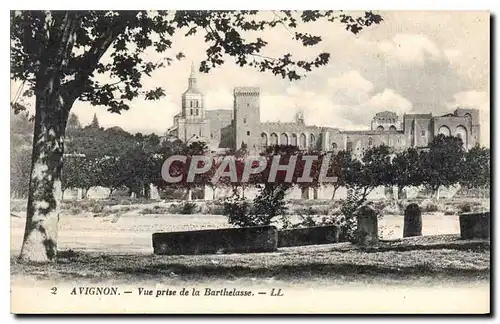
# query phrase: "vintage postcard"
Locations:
[[222, 162]]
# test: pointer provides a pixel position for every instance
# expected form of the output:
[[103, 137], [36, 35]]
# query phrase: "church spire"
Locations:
[[192, 69], [192, 78]]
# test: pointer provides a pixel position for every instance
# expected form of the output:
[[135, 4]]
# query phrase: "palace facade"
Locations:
[[226, 130]]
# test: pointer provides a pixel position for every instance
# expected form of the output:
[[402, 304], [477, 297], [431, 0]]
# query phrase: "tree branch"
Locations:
[[94, 55]]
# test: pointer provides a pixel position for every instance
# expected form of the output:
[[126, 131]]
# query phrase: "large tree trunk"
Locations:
[[45, 194], [53, 103]]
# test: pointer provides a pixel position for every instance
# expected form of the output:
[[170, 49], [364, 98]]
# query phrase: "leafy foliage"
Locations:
[[407, 168], [476, 170], [442, 164], [75, 43], [373, 171], [237, 210], [268, 204], [20, 172]]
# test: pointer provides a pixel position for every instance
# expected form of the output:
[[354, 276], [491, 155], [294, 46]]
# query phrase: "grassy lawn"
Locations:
[[117, 248], [316, 263]]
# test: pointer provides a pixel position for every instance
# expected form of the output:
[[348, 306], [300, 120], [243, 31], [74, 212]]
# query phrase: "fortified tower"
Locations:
[[247, 117]]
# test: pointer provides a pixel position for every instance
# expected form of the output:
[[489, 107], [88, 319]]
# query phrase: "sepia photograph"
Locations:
[[250, 162]]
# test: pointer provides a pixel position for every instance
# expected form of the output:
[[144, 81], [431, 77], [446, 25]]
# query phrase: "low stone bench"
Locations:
[[212, 241], [309, 236], [475, 225]]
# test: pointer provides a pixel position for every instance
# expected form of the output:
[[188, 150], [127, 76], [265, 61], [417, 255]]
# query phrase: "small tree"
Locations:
[[442, 165], [374, 170], [108, 173], [343, 166], [80, 171], [476, 170], [406, 169]]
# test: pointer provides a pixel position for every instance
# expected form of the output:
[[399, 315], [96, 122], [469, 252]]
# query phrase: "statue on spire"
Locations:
[[192, 77], [192, 69]]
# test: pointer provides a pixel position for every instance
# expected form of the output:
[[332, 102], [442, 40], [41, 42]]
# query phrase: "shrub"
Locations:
[[309, 210], [75, 210], [184, 208], [351, 204], [155, 210], [215, 208], [269, 204], [392, 209], [340, 214], [465, 207], [428, 206], [305, 221], [97, 208], [346, 225], [237, 211], [187, 208]]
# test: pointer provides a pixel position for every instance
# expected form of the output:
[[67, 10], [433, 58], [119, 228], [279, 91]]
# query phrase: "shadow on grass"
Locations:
[[299, 271], [72, 265]]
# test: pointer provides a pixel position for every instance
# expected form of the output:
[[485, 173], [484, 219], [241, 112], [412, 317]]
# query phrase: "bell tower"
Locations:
[[193, 105]]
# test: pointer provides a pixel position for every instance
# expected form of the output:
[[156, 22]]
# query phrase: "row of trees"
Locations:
[[94, 156], [115, 159]]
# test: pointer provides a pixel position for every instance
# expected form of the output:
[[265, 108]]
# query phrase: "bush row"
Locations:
[[296, 207]]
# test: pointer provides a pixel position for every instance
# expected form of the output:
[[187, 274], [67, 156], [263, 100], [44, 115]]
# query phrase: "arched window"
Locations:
[[263, 140], [461, 132], [274, 139], [467, 115], [444, 130], [380, 128], [334, 146], [293, 140], [370, 141], [312, 141], [196, 104], [392, 128], [284, 139], [302, 141]]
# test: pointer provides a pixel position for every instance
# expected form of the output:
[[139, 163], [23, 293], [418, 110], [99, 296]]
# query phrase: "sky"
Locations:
[[414, 61]]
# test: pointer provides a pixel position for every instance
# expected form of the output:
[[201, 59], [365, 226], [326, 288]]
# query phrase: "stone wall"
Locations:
[[227, 240], [309, 236]]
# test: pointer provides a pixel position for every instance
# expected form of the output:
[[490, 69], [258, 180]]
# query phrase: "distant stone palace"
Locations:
[[231, 130]]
